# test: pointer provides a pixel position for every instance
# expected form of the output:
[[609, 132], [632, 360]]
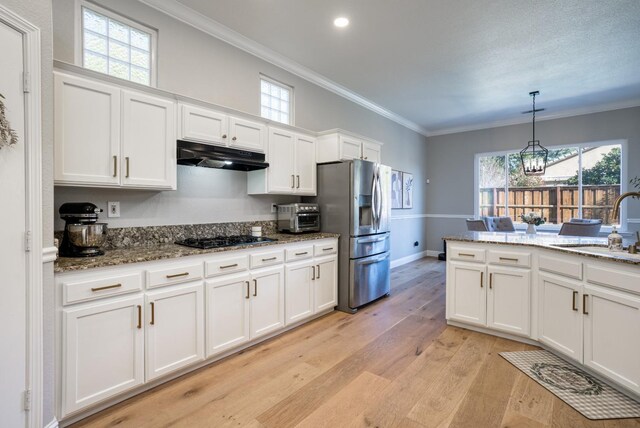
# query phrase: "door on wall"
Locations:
[[13, 289]]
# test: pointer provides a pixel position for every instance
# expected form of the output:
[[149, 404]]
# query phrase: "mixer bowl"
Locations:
[[87, 235]]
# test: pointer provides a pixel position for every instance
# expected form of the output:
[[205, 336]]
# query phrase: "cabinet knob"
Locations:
[[234, 138], [224, 135]]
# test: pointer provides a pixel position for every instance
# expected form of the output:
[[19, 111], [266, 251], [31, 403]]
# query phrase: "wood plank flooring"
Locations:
[[393, 364]]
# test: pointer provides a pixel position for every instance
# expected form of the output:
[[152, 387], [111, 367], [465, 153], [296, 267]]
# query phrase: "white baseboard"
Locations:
[[408, 259], [433, 253], [52, 424]]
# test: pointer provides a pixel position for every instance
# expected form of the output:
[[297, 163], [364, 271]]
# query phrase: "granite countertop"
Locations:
[[552, 241], [147, 253]]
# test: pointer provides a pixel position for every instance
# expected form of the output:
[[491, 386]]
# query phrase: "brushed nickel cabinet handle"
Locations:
[[298, 178], [229, 266], [153, 313], [318, 277], [584, 304], [293, 181], [224, 135], [574, 303], [234, 138], [126, 160], [466, 254], [481, 276], [177, 275], [139, 316], [313, 275], [106, 287], [508, 259], [115, 166], [302, 254], [269, 259], [255, 288], [491, 281], [248, 285], [327, 249]]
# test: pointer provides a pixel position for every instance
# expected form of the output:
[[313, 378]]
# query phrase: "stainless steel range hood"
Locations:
[[205, 155]]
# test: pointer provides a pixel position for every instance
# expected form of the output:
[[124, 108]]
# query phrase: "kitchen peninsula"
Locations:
[[568, 294]]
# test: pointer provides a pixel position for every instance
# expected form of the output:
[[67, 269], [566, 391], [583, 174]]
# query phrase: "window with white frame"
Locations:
[[276, 101], [580, 181], [114, 45]]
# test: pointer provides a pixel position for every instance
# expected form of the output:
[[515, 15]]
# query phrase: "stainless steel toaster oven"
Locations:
[[299, 218]]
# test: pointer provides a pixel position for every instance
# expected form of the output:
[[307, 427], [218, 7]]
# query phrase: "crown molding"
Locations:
[[557, 115], [214, 28]]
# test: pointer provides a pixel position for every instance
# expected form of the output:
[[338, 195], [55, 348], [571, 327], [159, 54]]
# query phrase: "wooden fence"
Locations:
[[557, 204]]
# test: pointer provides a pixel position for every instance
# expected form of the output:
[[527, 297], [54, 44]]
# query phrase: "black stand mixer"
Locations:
[[83, 235]]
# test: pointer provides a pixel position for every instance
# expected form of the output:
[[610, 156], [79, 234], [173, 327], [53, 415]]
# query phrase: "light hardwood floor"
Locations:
[[393, 364]]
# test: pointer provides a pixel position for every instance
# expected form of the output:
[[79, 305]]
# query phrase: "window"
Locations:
[[276, 101], [116, 46], [580, 181]]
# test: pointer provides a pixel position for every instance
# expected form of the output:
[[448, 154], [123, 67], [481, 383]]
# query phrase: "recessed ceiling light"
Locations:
[[341, 22]]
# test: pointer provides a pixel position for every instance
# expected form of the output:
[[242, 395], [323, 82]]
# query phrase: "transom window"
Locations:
[[276, 101], [116, 46], [580, 181]]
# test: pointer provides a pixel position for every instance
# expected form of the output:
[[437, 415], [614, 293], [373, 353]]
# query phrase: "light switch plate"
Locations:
[[113, 209]]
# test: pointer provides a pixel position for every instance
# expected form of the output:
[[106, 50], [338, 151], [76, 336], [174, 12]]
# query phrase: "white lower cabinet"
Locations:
[[611, 336], [174, 328], [103, 348], [299, 291], [467, 297], [509, 301], [267, 301], [326, 284], [559, 316]]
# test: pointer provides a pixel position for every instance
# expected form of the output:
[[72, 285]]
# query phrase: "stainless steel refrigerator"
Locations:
[[355, 201]]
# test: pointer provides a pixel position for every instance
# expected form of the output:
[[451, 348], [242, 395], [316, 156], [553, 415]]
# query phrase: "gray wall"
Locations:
[[450, 163], [38, 12], [195, 64]]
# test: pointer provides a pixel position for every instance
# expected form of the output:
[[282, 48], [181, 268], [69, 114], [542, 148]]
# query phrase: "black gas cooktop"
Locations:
[[223, 241]]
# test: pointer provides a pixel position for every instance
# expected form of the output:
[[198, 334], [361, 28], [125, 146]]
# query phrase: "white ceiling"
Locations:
[[460, 64]]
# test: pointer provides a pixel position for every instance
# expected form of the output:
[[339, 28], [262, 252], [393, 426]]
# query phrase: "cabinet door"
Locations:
[[174, 328], [350, 148], [102, 351], [371, 152], [246, 134], [611, 338], [148, 141], [305, 163], [560, 319], [204, 126], [267, 302], [326, 284], [227, 312], [509, 300], [298, 292], [87, 132], [468, 297], [281, 171]]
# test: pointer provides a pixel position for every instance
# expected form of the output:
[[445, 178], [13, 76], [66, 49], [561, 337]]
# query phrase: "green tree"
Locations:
[[605, 171]]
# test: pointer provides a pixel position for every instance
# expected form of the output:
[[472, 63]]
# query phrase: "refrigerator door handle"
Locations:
[[379, 199], [374, 195]]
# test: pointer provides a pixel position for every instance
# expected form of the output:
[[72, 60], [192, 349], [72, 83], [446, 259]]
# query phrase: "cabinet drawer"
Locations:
[[173, 274], [267, 258], [325, 249], [613, 277], [221, 266], [467, 254], [561, 266], [509, 258], [96, 288], [299, 253]]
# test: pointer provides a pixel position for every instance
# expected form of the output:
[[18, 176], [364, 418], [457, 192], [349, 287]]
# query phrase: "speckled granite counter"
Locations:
[[137, 254], [552, 241]]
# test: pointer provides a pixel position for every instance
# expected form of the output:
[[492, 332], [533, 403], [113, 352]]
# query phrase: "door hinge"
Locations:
[[27, 400], [27, 241], [26, 82]]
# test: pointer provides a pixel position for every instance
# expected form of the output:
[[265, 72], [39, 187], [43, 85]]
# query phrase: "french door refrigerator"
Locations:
[[355, 201]]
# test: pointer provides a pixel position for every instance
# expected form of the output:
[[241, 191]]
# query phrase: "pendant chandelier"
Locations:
[[534, 156]]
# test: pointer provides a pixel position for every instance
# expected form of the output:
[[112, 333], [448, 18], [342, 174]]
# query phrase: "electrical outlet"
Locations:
[[113, 209], [274, 208]]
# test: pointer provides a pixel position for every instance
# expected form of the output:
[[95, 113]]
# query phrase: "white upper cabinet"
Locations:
[[339, 145], [203, 125], [148, 141], [87, 132], [110, 137], [247, 134], [292, 165]]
